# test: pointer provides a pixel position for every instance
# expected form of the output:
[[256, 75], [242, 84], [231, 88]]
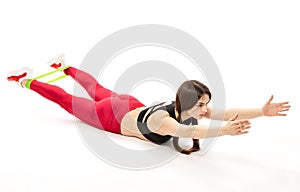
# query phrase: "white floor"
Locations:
[[41, 148]]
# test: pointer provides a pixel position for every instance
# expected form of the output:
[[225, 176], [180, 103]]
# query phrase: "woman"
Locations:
[[124, 114]]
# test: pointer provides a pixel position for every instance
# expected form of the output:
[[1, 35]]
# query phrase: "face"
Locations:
[[200, 108]]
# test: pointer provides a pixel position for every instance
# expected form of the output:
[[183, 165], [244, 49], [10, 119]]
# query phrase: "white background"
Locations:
[[256, 45]]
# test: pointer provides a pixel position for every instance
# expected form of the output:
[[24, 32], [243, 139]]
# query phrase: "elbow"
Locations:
[[198, 133], [187, 132]]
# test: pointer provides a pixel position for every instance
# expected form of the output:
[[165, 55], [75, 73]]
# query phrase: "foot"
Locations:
[[19, 75], [57, 62]]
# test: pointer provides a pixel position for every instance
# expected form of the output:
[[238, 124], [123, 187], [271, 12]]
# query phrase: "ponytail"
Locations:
[[196, 144]]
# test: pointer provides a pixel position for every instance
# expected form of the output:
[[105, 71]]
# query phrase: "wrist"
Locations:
[[222, 131], [261, 111]]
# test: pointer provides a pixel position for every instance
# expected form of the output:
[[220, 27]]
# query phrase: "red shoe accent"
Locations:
[[66, 71], [56, 66], [16, 78]]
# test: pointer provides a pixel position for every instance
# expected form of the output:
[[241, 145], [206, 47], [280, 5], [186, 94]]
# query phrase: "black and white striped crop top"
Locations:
[[145, 114]]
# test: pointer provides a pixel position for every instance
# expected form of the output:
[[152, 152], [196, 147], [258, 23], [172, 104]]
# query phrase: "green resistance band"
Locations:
[[46, 74]]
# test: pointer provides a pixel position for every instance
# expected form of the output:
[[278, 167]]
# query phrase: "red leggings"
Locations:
[[105, 111]]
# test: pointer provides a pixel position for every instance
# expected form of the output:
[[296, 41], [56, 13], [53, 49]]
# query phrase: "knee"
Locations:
[[66, 102]]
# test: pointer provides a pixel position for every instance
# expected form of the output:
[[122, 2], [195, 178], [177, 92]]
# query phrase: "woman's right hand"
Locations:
[[236, 127]]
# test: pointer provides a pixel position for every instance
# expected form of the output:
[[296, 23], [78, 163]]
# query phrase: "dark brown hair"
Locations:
[[187, 96]]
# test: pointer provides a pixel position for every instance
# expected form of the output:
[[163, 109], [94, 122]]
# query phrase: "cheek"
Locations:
[[203, 109], [195, 111]]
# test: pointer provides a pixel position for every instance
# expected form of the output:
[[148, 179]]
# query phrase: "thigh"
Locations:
[[85, 110], [107, 112]]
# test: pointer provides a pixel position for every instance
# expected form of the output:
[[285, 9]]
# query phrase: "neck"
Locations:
[[184, 115]]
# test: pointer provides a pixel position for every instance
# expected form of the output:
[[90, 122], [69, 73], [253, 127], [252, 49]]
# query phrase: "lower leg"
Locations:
[[50, 92], [82, 108]]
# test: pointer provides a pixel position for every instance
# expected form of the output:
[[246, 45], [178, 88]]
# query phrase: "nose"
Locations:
[[203, 109]]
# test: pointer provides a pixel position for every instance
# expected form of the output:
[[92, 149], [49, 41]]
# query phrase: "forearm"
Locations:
[[233, 127], [243, 113], [198, 131], [172, 127], [207, 132]]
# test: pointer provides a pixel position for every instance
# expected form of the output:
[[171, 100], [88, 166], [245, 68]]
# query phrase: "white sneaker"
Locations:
[[57, 61], [19, 75]]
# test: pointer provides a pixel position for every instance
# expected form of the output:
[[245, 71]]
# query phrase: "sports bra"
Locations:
[[145, 114]]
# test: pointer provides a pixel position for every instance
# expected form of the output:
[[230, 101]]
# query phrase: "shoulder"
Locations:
[[157, 121], [158, 116], [161, 123]]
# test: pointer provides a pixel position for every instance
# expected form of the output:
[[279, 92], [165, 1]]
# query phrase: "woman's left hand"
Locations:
[[275, 109]]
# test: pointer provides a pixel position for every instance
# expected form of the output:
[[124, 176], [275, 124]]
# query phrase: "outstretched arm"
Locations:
[[269, 109], [169, 126]]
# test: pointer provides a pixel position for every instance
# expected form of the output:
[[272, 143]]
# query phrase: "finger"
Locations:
[[284, 103], [285, 107], [233, 117], [271, 98], [241, 132], [281, 114], [246, 127], [244, 121], [244, 132], [243, 128], [282, 110], [241, 124]]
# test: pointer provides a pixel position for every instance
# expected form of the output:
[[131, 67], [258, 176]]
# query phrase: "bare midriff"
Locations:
[[129, 124]]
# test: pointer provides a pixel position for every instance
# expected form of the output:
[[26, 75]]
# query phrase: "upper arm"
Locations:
[[170, 126], [161, 123]]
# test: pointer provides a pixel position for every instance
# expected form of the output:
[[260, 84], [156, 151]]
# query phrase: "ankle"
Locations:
[[23, 82]]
